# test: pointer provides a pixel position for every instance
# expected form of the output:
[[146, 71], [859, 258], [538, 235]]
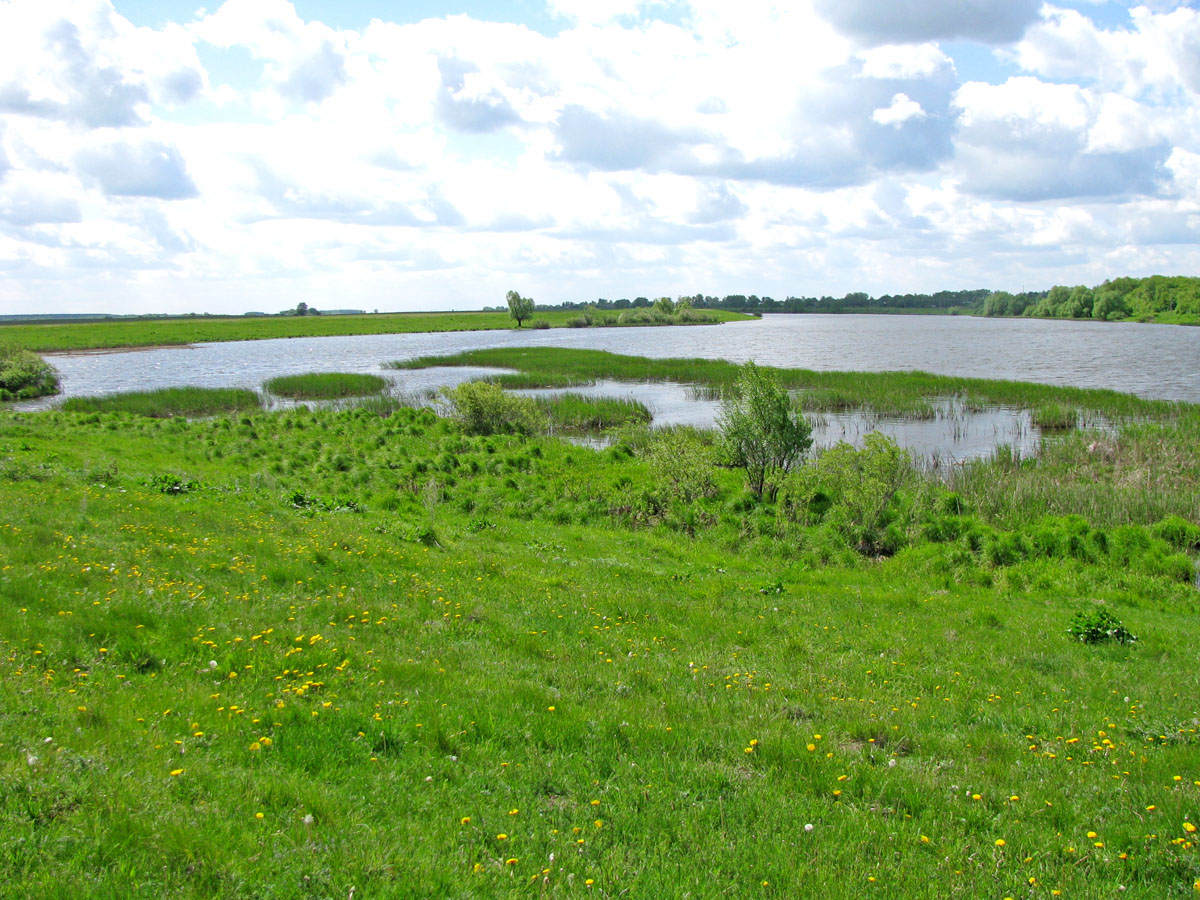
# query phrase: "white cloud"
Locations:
[[137, 169], [1029, 140], [903, 61], [902, 109]]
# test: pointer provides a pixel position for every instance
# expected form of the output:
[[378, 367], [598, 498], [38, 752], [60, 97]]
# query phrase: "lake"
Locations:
[[1156, 361]]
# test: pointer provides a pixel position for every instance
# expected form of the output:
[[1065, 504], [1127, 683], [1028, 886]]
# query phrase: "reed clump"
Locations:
[[576, 412], [165, 403], [326, 385]]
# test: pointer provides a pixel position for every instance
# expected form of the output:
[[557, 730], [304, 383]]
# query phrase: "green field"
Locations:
[[360, 652], [199, 329]]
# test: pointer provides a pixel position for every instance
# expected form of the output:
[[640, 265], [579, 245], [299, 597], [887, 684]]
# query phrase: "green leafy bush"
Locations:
[[483, 408], [25, 375], [857, 492], [760, 430], [681, 464], [1096, 625]]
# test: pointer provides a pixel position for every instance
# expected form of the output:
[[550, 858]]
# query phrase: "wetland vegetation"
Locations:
[[326, 385], [371, 650]]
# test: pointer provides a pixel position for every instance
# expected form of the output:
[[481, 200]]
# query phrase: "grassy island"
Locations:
[[373, 651]]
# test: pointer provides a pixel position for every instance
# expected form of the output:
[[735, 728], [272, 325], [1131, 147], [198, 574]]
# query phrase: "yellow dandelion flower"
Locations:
[[465, 820], [175, 772], [502, 836], [258, 815], [811, 747], [1189, 827], [1000, 842], [513, 812], [599, 823], [589, 882], [1092, 834], [595, 803], [511, 861]]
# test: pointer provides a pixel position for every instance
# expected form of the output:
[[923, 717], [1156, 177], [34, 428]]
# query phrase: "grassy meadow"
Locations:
[[364, 652], [165, 332]]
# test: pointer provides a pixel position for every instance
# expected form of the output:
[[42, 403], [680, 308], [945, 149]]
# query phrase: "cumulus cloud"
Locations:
[[79, 88], [304, 61], [902, 109], [1157, 52], [22, 205], [469, 101], [1028, 140], [898, 21], [144, 169]]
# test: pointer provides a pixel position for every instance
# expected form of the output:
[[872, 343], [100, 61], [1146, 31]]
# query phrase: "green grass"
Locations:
[[525, 380], [224, 693], [326, 385], [167, 402], [1055, 416], [192, 330], [890, 393], [576, 412]]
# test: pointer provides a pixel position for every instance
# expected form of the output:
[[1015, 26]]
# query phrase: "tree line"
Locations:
[[1120, 298], [856, 301]]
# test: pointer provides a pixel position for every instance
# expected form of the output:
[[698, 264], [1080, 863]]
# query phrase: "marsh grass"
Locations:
[[1055, 417], [575, 412], [326, 385], [532, 380], [188, 402], [907, 394]]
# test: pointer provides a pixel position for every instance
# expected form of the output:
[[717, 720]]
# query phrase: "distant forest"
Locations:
[[1157, 298], [966, 301]]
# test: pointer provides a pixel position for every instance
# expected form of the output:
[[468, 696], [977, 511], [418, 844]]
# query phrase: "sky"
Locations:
[[160, 157]]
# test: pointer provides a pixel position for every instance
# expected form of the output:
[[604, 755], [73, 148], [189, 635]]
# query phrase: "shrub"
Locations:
[[25, 375], [681, 464], [1096, 625], [483, 408], [760, 430], [856, 492]]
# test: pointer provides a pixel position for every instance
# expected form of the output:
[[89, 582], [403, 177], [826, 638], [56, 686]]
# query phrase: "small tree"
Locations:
[[519, 308], [302, 308], [760, 431]]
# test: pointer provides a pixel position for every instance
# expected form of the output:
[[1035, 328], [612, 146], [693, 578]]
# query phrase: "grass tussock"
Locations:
[[575, 412], [189, 402], [326, 385]]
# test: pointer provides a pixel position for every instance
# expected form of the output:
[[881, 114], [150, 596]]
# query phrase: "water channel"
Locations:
[[1158, 361]]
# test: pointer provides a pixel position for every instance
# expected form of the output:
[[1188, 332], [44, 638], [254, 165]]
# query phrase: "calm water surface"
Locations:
[[1158, 361]]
